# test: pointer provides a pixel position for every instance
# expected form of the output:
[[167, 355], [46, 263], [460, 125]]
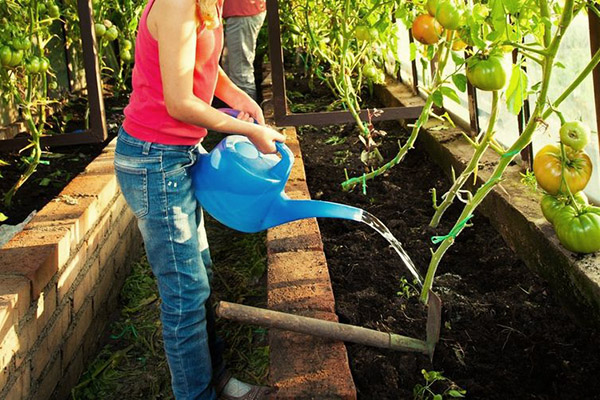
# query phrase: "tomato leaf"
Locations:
[[460, 81], [450, 93], [413, 51], [517, 90], [458, 60], [3, 217], [438, 98], [560, 65], [455, 393]]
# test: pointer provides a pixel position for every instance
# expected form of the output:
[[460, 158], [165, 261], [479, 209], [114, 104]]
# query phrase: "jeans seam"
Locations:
[[179, 305]]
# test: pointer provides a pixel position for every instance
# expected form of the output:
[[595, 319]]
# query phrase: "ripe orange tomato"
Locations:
[[547, 167], [426, 29]]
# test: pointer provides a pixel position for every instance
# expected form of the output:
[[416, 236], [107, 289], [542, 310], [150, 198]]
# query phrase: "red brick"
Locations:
[[9, 346], [35, 254], [70, 378], [299, 281], [28, 334], [49, 381], [99, 233], [299, 187], [77, 218], [69, 273], [85, 285], [92, 341], [15, 298], [309, 367], [98, 180], [108, 246], [50, 342], [295, 236], [45, 307], [20, 388], [125, 221], [80, 324], [103, 290]]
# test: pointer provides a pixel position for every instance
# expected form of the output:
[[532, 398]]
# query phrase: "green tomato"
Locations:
[[22, 44], [41, 8], [53, 11], [5, 55], [551, 205], [111, 33], [370, 71], [574, 134], [33, 66], [16, 58], [448, 15], [125, 55], [362, 33], [100, 29], [126, 44], [432, 6], [578, 231], [44, 64], [486, 74]]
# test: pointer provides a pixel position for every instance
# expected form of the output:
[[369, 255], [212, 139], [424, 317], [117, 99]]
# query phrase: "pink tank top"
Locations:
[[146, 116]]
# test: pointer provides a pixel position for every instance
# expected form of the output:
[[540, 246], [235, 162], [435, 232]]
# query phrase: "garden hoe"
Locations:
[[338, 331]]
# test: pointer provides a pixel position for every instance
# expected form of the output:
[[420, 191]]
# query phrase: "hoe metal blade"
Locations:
[[434, 321]]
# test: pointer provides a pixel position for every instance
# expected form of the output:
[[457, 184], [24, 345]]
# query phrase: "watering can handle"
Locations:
[[230, 111], [282, 168]]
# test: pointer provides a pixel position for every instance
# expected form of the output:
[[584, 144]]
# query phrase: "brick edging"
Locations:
[[59, 280], [302, 366]]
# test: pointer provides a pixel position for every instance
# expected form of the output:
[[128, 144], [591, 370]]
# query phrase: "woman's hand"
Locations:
[[264, 139], [247, 105]]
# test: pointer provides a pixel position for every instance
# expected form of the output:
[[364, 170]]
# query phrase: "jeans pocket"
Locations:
[[134, 185], [176, 163]]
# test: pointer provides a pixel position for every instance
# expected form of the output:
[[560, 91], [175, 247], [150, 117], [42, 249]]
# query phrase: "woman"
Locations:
[[175, 77]]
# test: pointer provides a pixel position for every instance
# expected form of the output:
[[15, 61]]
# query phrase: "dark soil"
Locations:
[[61, 164], [504, 335]]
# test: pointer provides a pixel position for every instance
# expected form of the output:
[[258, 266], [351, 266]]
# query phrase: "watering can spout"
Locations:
[[284, 210]]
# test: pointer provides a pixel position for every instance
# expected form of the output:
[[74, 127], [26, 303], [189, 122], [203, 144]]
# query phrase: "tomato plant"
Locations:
[[486, 72], [548, 168], [426, 29]]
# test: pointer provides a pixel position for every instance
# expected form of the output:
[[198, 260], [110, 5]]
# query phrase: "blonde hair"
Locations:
[[207, 13]]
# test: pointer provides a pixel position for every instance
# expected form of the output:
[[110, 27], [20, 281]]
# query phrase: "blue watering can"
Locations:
[[244, 189]]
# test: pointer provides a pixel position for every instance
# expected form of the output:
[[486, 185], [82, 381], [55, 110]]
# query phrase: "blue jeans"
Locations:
[[157, 185], [240, 38]]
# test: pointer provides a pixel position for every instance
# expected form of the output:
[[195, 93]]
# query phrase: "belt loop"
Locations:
[[146, 148]]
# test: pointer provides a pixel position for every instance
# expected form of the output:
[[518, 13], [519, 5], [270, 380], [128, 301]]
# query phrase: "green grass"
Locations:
[[132, 363]]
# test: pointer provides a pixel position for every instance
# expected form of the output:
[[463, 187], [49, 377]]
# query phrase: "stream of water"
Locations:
[[383, 230]]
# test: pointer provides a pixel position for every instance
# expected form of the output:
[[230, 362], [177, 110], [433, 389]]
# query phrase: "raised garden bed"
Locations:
[[504, 334]]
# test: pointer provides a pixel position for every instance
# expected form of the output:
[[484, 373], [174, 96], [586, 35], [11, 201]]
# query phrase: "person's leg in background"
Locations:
[[240, 39]]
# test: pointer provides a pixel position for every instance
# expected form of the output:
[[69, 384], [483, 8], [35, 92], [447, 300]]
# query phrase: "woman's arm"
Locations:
[[236, 98], [173, 24]]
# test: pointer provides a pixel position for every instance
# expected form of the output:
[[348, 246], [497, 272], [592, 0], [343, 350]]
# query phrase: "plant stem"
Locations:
[[553, 44], [423, 118], [595, 60], [471, 168]]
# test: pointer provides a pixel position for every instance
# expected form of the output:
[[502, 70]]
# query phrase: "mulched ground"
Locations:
[[504, 336]]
